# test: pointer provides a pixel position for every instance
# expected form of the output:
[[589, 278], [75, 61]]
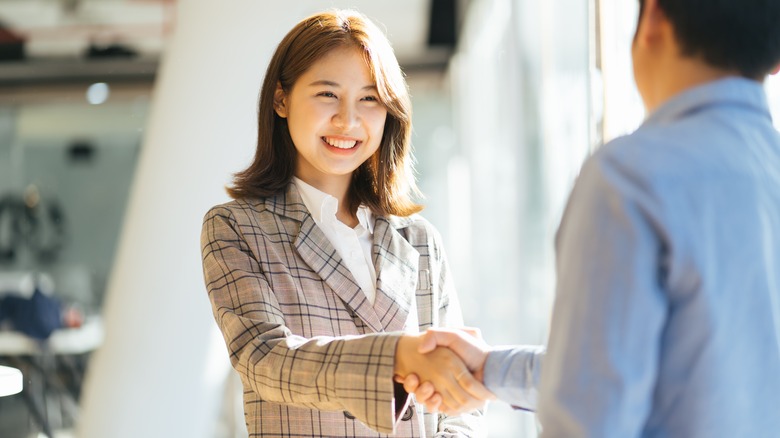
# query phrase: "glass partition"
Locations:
[[68, 164]]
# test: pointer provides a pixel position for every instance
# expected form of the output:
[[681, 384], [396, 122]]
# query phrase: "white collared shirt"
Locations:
[[352, 244]]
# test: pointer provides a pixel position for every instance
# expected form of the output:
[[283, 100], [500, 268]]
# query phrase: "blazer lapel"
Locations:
[[316, 250], [396, 263]]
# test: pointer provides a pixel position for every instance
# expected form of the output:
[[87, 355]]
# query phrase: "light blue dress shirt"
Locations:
[[666, 320]]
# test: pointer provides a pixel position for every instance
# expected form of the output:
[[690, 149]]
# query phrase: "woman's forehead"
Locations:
[[341, 66]]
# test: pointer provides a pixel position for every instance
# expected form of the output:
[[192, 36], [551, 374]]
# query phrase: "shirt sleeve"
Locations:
[[609, 312], [325, 373], [512, 374]]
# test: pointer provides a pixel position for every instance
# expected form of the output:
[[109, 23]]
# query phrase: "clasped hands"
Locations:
[[444, 369]]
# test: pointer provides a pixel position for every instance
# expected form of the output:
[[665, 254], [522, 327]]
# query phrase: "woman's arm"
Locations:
[[351, 373], [326, 373]]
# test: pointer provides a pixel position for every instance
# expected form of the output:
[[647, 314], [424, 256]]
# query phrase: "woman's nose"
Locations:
[[346, 117]]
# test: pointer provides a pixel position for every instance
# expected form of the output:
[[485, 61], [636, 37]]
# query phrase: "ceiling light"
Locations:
[[97, 93]]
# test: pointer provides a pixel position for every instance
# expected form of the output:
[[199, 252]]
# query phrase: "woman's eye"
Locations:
[[371, 99], [326, 94]]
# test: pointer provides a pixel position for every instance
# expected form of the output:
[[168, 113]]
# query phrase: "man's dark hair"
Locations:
[[741, 35]]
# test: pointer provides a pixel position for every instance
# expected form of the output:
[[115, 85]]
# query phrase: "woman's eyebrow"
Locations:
[[336, 84], [324, 82]]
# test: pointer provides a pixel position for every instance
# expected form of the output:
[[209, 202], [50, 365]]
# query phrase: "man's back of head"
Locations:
[[737, 35]]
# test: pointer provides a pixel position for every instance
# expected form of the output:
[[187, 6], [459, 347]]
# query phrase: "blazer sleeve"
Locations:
[[471, 424], [325, 373]]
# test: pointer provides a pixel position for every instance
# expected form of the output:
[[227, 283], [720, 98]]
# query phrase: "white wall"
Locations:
[[162, 369]]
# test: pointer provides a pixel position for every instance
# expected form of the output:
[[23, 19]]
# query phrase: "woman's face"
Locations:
[[335, 118]]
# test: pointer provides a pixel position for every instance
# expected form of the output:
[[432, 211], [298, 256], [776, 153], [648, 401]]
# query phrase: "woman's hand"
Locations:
[[456, 389]]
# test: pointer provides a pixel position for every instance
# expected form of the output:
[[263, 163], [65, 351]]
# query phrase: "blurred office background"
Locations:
[[122, 120]]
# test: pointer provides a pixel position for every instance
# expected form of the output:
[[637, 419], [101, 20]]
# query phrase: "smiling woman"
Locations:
[[320, 273], [335, 120], [310, 43]]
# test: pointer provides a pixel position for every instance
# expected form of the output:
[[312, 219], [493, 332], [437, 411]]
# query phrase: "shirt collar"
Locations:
[[729, 91], [365, 218], [323, 207]]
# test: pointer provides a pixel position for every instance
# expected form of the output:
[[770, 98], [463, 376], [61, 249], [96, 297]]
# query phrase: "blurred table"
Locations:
[[45, 363], [11, 381]]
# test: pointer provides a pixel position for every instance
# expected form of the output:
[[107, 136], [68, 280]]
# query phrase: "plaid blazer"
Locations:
[[315, 357]]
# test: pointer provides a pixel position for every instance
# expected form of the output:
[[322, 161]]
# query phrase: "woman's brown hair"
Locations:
[[385, 182]]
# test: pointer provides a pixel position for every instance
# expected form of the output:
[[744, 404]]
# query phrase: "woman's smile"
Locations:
[[341, 143]]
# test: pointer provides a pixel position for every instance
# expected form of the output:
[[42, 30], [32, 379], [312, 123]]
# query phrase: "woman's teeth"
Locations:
[[341, 144]]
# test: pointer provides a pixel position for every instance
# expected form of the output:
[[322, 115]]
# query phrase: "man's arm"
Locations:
[[512, 374]]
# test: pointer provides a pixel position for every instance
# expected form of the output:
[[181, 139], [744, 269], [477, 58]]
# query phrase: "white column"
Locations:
[[162, 368]]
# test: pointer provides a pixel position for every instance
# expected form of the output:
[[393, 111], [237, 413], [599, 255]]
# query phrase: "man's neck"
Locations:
[[679, 74]]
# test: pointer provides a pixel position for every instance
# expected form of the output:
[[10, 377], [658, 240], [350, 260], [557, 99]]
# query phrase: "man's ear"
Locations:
[[653, 24], [280, 101]]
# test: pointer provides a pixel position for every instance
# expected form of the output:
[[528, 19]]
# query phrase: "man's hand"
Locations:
[[467, 343], [441, 368]]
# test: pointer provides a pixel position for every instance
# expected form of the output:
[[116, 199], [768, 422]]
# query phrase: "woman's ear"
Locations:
[[280, 101]]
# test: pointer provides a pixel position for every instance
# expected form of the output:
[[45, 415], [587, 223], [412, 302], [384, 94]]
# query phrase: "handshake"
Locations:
[[444, 369]]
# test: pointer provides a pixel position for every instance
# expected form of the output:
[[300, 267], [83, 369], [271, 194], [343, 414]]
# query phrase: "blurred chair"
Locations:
[[54, 369]]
